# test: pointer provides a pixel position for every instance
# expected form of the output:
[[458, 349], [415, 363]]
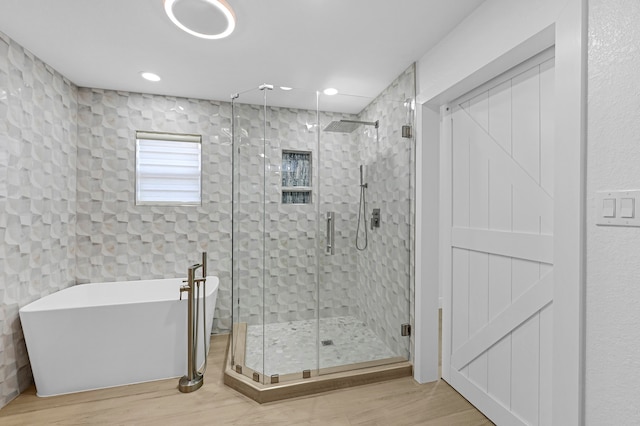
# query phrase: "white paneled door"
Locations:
[[498, 309]]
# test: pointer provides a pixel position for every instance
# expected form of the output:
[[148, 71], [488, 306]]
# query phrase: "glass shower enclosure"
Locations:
[[308, 181]]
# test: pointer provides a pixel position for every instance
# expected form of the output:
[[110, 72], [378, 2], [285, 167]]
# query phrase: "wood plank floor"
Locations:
[[395, 402]]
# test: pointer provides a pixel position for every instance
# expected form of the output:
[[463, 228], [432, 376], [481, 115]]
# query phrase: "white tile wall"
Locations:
[[37, 197], [119, 241], [385, 269], [288, 252]]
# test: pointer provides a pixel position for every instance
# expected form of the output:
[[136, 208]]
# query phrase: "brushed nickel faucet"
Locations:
[[194, 378]]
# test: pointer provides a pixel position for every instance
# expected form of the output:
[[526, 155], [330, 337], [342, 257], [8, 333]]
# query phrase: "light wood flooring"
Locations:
[[395, 402]]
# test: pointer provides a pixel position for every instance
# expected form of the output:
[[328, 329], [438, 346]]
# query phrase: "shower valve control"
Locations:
[[375, 218]]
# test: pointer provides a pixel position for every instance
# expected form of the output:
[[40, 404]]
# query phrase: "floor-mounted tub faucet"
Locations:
[[194, 378]]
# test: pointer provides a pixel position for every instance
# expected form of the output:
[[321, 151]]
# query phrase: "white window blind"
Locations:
[[168, 169]]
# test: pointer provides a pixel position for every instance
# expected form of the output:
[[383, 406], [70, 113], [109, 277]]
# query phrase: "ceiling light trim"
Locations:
[[221, 5], [150, 76]]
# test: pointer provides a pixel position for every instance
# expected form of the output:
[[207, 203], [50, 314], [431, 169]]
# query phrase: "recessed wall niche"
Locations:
[[296, 177]]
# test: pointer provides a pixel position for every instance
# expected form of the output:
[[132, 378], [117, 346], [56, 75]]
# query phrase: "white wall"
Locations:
[[427, 265], [480, 42], [613, 254]]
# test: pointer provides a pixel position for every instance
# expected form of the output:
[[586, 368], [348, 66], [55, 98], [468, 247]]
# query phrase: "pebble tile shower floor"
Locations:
[[292, 347]]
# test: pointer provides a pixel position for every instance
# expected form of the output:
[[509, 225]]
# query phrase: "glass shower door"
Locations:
[[317, 286], [365, 174]]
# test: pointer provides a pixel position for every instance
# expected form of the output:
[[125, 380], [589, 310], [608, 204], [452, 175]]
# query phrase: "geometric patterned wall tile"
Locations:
[[283, 285], [38, 115], [386, 268], [119, 241]]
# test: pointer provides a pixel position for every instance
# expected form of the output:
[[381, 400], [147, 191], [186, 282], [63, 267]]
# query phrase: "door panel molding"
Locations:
[[503, 161], [521, 245], [524, 307]]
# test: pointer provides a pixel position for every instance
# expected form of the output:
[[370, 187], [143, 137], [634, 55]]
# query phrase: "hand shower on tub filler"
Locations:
[[194, 378]]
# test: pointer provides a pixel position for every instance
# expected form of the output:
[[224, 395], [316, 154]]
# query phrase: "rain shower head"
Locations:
[[347, 126]]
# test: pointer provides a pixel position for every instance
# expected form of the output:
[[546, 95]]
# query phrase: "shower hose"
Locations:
[[362, 211]]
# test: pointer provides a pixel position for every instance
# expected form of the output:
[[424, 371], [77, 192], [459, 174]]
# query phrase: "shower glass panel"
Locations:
[[249, 232], [275, 259], [306, 300], [364, 290]]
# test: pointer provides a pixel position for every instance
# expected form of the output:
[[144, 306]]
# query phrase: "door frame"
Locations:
[[568, 34]]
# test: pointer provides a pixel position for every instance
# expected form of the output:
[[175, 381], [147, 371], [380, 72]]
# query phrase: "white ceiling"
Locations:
[[356, 46]]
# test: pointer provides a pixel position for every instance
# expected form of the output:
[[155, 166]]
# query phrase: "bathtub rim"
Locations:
[[39, 305]]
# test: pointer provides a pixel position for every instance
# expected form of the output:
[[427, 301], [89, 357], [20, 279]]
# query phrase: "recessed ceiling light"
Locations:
[[150, 76], [195, 17], [330, 91], [285, 88]]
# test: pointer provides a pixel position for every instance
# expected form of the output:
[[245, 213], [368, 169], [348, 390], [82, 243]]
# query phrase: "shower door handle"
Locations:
[[330, 233]]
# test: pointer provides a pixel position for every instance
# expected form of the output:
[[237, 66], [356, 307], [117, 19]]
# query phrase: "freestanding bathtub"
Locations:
[[100, 335]]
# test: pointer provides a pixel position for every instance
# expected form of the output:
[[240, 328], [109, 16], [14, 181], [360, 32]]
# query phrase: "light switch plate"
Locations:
[[624, 213], [627, 208], [609, 207]]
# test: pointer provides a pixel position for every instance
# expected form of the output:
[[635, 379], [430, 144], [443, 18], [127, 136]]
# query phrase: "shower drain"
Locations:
[[327, 342]]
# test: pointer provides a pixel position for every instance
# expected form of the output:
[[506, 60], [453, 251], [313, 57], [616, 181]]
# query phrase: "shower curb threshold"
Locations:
[[262, 393]]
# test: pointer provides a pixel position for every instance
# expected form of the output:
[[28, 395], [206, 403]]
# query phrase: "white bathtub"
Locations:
[[95, 336]]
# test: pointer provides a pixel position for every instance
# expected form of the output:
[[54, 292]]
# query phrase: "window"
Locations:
[[168, 169]]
